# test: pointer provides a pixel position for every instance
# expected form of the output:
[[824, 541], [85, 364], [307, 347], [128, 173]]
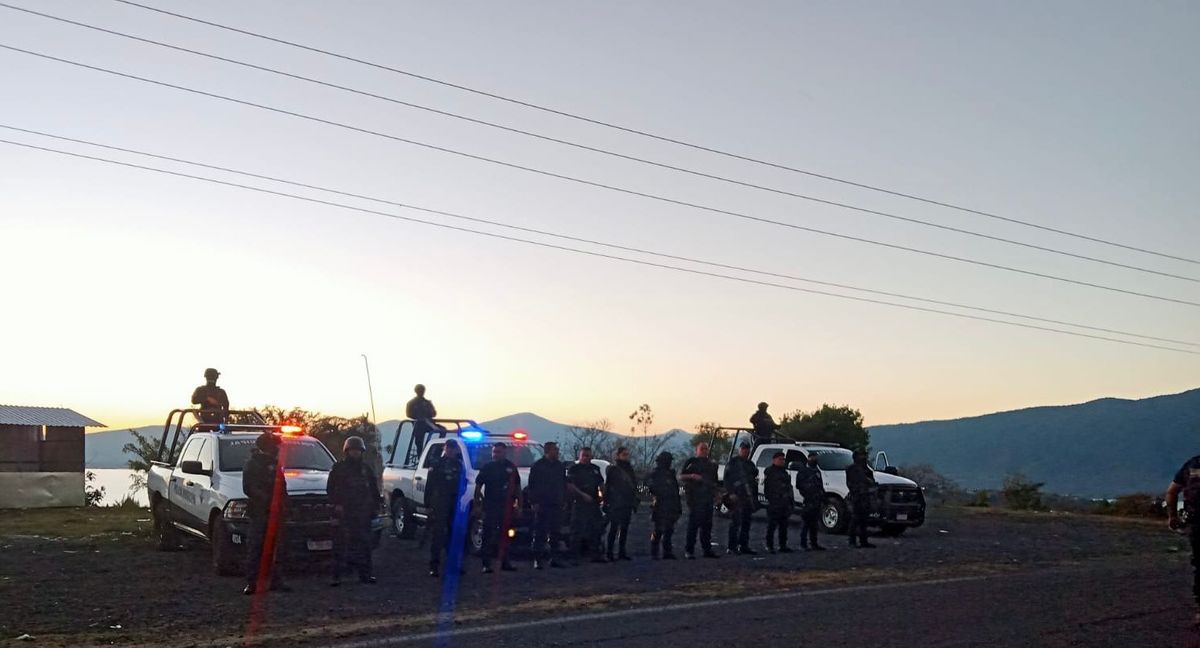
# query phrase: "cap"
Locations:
[[211, 373], [354, 443]]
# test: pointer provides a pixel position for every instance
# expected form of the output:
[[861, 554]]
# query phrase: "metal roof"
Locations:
[[53, 416]]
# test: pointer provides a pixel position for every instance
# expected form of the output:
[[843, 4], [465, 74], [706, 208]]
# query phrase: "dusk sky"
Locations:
[[120, 286]]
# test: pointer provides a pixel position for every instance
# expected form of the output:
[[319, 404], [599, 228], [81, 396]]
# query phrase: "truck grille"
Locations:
[[903, 496], [310, 508]]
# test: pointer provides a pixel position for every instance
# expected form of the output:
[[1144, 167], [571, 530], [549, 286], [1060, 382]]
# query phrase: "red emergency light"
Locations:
[[520, 435], [291, 429]]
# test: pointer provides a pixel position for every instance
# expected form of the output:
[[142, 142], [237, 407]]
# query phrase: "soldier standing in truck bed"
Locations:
[[213, 401], [764, 425]]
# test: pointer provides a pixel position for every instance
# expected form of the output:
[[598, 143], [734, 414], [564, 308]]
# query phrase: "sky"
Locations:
[[120, 286]]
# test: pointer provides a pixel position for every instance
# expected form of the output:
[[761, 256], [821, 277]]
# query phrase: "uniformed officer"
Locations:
[[620, 496], [266, 507], [213, 401], [1187, 482], [699, 477], [585, 483], [764, 425], [777, 486], [860, 481], [444, 488], [665, 507], [422, 412], [497, 489], [741, 497], [354, 493], [811, 487], [547, 491]]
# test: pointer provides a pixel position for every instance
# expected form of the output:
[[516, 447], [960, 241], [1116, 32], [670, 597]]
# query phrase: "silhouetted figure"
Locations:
[[1187, 482], [213, 402], [811, 487], [585, 482], [354, 493], [860, 481], [741, 498], [444, 488], [764, 426], [777, 486], [547, 492], [497, 488], [422, 412], [699, 477], [620, 497], [266, 507], [665, 506]]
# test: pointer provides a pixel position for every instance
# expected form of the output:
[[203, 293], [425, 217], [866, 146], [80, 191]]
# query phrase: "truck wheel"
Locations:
[[893, 530], [402, 520], [223, 561], [475, 536], [835, 517], [164, 534]]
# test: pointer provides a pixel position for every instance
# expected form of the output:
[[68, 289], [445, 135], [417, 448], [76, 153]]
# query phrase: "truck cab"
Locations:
[[195, 486], [899, 502], [410, 456]]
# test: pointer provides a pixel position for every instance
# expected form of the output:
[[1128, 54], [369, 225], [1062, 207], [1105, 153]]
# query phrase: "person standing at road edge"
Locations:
[[620, 497], [811, 487], [741, 497], [777, 486], [497, 489], [547, 491], [860, 481], [586, 483], [699, 477], [665, 506], [1187, 482], [444, 488], [266, 507], [354, 493]]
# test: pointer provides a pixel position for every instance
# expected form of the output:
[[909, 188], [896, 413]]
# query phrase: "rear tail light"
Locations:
[[235, 509]]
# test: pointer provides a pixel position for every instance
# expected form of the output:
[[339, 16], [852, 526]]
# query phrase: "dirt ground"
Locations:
[[93, 578]]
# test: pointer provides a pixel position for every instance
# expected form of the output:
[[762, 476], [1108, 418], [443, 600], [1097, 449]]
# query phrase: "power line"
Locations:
[[582, 251], [663, 138], [603, 151], [577, 239], [601, 185]]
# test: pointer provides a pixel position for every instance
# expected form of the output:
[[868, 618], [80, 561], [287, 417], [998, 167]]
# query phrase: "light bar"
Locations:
[[291, 429], [472, 435], [520, 435]]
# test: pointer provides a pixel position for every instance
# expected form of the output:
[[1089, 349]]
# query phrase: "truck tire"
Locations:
[[223, 561], [475, 535], [165, 537], [893, 530], [402, 520], [835, 516]]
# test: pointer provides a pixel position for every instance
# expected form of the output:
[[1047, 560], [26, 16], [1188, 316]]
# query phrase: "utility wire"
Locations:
[[661, 138], [603, 151], [582, 181], [586, 252], [577, 239]]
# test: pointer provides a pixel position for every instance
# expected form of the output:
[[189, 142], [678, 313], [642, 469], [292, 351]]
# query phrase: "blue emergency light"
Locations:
[[472, 435]]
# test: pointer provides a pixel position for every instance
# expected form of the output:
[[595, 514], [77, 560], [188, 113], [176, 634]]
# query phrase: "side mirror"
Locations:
[[192, 468], [388, 448]]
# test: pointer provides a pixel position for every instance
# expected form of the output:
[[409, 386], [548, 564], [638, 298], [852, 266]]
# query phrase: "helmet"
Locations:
[[211, 374], [860, 454], [664, 459], [354, 443], [267, 441]]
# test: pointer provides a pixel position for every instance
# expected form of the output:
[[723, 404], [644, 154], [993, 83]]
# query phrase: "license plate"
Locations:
[[900, 517], [320, 545]]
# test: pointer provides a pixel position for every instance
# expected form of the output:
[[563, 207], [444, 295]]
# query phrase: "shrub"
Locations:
[[1021, 494], [981, 499]]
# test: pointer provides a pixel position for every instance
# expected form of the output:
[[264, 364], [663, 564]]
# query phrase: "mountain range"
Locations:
[[1101, 448]]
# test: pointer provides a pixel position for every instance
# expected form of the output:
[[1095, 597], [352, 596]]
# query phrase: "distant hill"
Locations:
[[103, 449], [1102, 448]]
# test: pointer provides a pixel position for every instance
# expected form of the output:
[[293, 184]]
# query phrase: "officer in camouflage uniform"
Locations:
[[620, 497], [811, 487], [665, 506], [741, 498], [266, 507], [1187, 482], [444, 488], [354, 493], [860, 481], [777, 486]]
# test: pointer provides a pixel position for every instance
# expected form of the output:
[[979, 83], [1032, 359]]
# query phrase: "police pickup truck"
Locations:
[[406, 470], [899, 503], [195, 486]]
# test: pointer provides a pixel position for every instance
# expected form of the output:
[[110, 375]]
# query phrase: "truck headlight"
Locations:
[[235, 509]]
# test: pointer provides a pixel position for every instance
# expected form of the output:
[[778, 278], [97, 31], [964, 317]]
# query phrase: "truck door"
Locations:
[[184, 490], [433, 450]]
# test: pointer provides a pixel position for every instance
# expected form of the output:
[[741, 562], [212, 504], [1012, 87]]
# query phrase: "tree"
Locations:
[[936, 485], [144, 450], [840, 424], [1022, 494], [645, 446], [92, 494], [596, 435], [719, 443]]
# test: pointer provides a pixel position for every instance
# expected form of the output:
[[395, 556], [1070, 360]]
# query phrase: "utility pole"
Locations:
[[370, 391]]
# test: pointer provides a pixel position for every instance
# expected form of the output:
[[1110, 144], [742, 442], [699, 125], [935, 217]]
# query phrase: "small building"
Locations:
[[41, 456]]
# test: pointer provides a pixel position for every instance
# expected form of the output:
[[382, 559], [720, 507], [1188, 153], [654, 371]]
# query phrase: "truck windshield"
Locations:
[[523, 454], [832, 458], [296, 454]]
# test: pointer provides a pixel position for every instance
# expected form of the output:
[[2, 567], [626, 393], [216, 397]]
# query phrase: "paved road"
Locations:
[[1093, 605]]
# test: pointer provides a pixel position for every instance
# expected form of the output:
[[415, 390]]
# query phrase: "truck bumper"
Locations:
[[300, 539]]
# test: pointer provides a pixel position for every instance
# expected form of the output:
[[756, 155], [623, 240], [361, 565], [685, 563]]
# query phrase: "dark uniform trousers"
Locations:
[[441, 535], [700, 522], [860, 511], [260, 548], [546, 525], [352, 543], [777, 522], [664, 530], [495, 536], [739, 523], [618, 528], [586, 525], [810, 518], [1195, 536]]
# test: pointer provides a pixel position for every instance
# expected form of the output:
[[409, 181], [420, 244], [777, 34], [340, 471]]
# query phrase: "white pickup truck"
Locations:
[[900, 503], [405, 471], [195, 486]]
